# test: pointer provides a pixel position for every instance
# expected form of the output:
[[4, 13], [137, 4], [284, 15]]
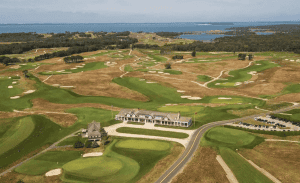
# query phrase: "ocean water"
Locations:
[[136, 27]]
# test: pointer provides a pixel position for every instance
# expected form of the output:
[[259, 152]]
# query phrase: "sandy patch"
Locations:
[[186, 96], [53, 172], [194, 98], [15, 97], [150, 82], [29, 91], [10, 87], [224, 98], [180, 91], [92, 154]]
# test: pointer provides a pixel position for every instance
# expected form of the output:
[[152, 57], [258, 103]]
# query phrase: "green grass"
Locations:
[[100, 54], [16, 134], [71, 141], [172, 71], [241, 75], [152, 132], [28, 66], [276, 106], [226, 141], [295, 117], [203, 78], [47, 161], [158, 58], [8, 92], [87, 67], [243, 171], [45, 132], [143, 144], [147, 63], [128, 68]]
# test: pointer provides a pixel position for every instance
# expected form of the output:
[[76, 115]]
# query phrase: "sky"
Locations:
[[152, 11]]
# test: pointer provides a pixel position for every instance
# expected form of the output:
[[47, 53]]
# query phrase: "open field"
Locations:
[[268, 155], [152, 132]]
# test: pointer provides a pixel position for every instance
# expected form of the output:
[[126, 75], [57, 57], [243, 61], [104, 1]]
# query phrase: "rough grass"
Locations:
[[87, 67], [71, 141], [172, 71], [295, 117], [241, 75], [128, 68], [152, 132], [143, 144], [158, 58], [16, 134], [99, 54], [47, 161]]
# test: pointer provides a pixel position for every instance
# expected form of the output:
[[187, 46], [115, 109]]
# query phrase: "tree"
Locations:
[[168, 66], [194, 53], [250, 56], [88, 144], [242, 56], [78, 144]]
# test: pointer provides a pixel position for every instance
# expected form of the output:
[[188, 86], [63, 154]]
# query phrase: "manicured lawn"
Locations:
[[147, 63], [203, 78], [241, 75], [16, 134], [143, 144], [45, 132], [48, 161], [152, 132], [8, 92], [87, 67], [243, 171]]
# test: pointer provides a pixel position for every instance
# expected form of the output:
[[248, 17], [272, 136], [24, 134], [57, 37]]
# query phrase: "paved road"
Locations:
[[53, 146], [195, 140]]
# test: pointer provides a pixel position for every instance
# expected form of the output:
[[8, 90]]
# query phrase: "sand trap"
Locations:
[[79, 66], [53, 172], [150, 82], [189, 61], [82, 64], [167, 73], [55, 85], [260, 64], [15, 97], [194, 98], [23, 64], [73, 68], [292, 60], [252, 72], [185, 96], [168, 104], [29, 91], [217, 83], [14, 82], [9, 77], [180, 91], [10, 87], [152, 71], [67, 86], [92, 154], [224, 98], [160, 72], [237, 83], [286, 59]]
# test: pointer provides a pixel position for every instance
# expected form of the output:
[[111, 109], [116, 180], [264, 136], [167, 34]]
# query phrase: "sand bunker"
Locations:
[[53, 172], [292, 60], [168, 104], [79, 66], [15, 97], [150, 82], [10, 87], [67, 86], [189, 61], [167, 73], [194, 98], [252, 72], [152, 71], [224, 98], [14, 82], [92, 154], [186, 96], [73, 68], [257, 64], [180, 91], [217, 83], [142, 79], [29, 91], [237, 83], [160, 72]]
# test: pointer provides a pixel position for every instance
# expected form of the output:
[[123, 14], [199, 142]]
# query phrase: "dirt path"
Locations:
[[281, 140], [263, 171], [205, 84], [229, 174], [47, 78]]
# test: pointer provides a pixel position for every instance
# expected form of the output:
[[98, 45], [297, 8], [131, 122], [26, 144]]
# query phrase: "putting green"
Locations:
[[230, 136], [16, 134], [94, 167], [143, 144]]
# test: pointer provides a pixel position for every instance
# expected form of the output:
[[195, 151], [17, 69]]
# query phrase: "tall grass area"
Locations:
[[100, 54], [241, 75], [225, 141], [203, 78], [152, 132], [88, 67]]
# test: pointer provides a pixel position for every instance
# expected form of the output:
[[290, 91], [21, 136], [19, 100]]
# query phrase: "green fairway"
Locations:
[[25, 66], [203, 78], [295, 117], [128, 68], [8, 92], [48, 161], [158, 58], [45, 132], [242, 75], [147, 63], [152, 132], [143, 144], [87, 67], [212, 59], [16, 134], [100, 54], [172, 71], [243, 171]]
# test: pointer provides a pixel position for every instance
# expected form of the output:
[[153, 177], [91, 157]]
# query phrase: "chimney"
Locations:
[[178, 116]]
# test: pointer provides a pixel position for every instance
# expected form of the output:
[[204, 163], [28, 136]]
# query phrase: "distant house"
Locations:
[[161, 118], [94, 132]]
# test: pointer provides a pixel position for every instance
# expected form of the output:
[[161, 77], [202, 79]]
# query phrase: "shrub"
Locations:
[[242, 56], [78, 144], [168, 66], [177, 57], [194, 53], [88, 144]]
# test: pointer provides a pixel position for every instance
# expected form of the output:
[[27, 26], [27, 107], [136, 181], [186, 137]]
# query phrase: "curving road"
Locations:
[[195, 141]]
